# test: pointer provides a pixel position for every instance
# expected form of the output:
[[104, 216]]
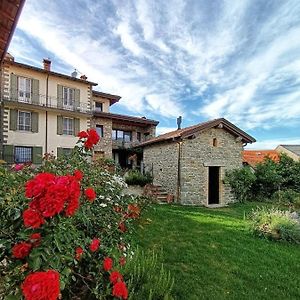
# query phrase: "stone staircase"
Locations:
[[159, 193]]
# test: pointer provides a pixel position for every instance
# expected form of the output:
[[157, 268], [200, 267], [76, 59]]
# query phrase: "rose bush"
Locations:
[[65, 228]]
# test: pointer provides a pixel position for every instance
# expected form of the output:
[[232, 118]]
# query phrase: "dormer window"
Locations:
[[98, 106], [215, 142]]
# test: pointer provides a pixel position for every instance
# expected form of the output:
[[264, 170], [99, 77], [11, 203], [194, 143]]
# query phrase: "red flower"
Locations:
[[122, 227], [90, 194], [122, 260], [115, 277], [82, 135], [134, 211], [32, 218], [78, 175], [21, 250], [95, 244], [120, 290], [35, 239], [78, 253], [41, 286], [107, 263], [19, 167]]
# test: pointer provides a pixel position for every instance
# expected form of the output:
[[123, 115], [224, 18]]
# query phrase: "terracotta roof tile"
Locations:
[[253, 157]]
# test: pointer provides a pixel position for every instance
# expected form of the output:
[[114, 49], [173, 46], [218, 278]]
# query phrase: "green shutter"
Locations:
[[34, 122], [77, 99], [60, 152], [13, 119], [35, 91], [59, 125], [8, 153], [59, 96], [76, 126], [37, 155], [13, 87]]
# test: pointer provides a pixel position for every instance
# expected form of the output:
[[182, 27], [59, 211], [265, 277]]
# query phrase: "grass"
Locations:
[[212, 255]]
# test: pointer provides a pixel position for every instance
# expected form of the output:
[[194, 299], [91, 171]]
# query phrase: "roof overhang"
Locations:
[[112, 98], [9, 15]]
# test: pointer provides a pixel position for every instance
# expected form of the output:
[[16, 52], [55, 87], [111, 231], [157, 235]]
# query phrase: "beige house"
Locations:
[[190, 163], [43, 111], [293, 151]]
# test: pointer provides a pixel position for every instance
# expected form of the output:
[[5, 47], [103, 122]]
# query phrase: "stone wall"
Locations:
[[198, 155], [105, 143], [164, 159]]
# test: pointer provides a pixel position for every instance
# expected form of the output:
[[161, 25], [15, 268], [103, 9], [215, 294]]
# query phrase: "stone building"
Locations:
[[293, 151], [190, 163]]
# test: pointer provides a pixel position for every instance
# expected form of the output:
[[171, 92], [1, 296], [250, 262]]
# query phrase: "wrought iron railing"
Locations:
[[51, 102]]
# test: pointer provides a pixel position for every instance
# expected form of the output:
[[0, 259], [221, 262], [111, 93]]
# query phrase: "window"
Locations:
[[68, 126], [68, 97], [98, 106], [99, 129], [146, 136], [24, 120], [121, 135], [215, 142], [24, 89], [67, 151], [23, 154], [138, 136]]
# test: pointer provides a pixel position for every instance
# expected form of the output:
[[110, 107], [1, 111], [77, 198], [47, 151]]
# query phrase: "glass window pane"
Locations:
[[23, 154], [114, 134]]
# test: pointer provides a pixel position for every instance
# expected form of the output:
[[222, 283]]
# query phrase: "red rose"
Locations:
[[115, 277], [78, 253], [35, 239], [122, 260], [19, 167], [90, 194], [120, 290], [21, 250], [107, 263], [95, 244], [32, 218], [122, 227], [41, 286], [78, 175], [82, 135]]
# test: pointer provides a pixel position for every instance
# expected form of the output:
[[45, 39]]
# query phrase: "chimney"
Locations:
[[83, 77], [179, 121], [74, 73], [47, 64]]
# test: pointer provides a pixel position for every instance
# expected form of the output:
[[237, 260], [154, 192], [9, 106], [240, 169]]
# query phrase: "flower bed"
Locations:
[[65, 228]]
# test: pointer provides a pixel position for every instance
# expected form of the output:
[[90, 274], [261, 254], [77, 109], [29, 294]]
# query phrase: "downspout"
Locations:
[[179, 170], [46, 136]]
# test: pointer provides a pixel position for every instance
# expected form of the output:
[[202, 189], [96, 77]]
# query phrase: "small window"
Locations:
[[215, 142], [98, 106], [99, 129], [138, 136], [24, 120], [127, 136], [68, 126], [67, 151], [68, 97], [23, 154], [24, 89], [146, 136]]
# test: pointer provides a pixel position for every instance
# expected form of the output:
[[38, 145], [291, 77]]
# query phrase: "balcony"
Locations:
[[47, 102]]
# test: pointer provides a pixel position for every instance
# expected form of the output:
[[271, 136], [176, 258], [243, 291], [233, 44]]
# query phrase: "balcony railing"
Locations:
[[50, 102]]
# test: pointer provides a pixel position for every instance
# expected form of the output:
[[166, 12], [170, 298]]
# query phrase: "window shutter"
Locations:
[[76, 126], [59, 96], [59, 125], [77, 99], [35, 91], [8, 153], [34, 122], [13, 119], [37, 155], [60, 152], [13, 87]]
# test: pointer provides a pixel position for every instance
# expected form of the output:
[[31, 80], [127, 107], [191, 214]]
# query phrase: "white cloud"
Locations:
[[272, 144], [161, 130]]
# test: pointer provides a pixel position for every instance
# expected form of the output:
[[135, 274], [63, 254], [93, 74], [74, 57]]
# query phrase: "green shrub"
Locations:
[[241, 181], [288, 198], [275, 224], [134, 177], [147, 278]]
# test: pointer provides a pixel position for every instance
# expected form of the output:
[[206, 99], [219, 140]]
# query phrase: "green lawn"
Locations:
[[212, 255]]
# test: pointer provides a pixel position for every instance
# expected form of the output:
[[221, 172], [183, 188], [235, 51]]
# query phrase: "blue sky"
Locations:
[[199, 59]]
